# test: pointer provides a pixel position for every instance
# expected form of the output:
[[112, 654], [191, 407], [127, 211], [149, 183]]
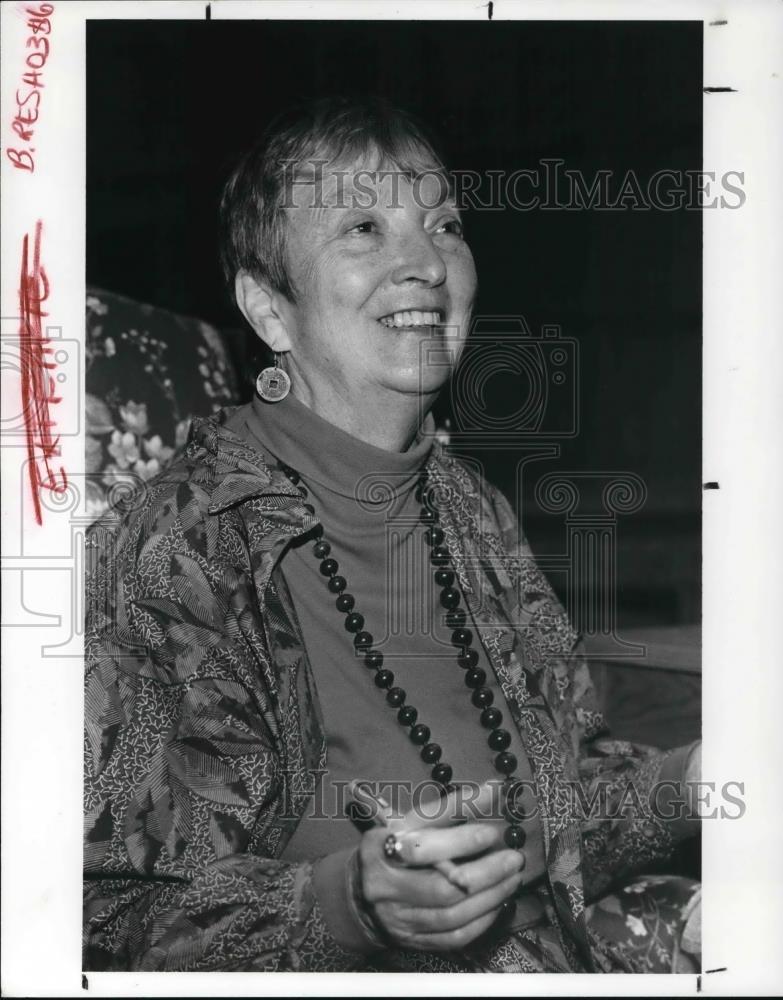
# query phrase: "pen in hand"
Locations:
[[378, 811]]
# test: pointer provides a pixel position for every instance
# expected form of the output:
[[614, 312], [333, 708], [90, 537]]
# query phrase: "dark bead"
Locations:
[[442, 773], [428, 516], [482, 698], [499, 739], [303, 492], [475, 677], [514, 836], [461, 637], [431, 753], [508, 789], [337, 584], [292, 475], [374, 660], [490, 717], [468, 658], [384, 678], [395, 697], [449, 598], [309, 508], [434, 535], [354, 621], [443, 577], [513, 792], [363, 641], [407, 715], [420, 734], [322, 549], [457, 617], [439, 556], [430, 497], [329, 567], [508, 909], [345, 602], [506, 762]]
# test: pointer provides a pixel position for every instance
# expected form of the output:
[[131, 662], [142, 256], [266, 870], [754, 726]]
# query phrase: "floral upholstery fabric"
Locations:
[[149, 371], [652, 924]]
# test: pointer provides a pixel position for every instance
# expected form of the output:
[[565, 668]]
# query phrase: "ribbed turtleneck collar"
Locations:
[[337, 461]]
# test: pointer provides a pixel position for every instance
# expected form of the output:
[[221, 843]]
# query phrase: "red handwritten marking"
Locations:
[[26, 116], [38, 386]]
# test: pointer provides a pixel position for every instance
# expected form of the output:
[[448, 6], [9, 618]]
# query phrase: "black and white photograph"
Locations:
[[391, 511]]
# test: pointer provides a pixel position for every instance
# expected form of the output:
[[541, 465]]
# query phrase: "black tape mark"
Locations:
[[719, 90], [714, 23], [721, 969], [209, 11], [490, 7], [85, 984], [711, 486]]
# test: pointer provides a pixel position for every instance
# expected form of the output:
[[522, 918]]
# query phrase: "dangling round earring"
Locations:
[[273, 383]]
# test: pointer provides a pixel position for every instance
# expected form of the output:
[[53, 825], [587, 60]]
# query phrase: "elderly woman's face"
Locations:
[[375, 283]]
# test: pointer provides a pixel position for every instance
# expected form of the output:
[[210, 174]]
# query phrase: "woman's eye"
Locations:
[[453, 226], [363, 227]]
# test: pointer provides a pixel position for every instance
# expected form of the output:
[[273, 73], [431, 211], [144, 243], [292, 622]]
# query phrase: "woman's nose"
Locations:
[[420, 261]]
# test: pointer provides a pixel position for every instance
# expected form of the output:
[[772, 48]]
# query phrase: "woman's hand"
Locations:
[[418, 906]]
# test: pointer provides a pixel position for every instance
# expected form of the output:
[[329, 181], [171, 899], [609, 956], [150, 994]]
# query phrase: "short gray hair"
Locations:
[[332, 129]]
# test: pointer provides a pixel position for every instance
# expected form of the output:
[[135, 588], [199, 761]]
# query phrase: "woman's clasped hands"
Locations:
[[446, 908]]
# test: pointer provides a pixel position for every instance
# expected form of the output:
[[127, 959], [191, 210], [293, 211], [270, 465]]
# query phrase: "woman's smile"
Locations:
[[413, 319]]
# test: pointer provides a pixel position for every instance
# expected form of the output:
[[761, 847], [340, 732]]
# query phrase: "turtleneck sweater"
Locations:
[[365, 498]]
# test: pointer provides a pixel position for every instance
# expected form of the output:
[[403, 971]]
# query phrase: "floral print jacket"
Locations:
[[203, 735]]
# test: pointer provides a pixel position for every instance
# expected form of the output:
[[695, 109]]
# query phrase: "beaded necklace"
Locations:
[[491, 718]]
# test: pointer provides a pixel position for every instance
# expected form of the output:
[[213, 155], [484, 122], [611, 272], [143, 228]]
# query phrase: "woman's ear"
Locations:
[[263, 309]]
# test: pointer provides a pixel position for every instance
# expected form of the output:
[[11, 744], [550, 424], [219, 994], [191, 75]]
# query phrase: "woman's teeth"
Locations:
[[411, 318]]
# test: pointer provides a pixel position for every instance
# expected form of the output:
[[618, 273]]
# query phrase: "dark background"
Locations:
[[171, 104]]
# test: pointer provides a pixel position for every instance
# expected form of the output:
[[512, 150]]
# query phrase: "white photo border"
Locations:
[[742, 535]]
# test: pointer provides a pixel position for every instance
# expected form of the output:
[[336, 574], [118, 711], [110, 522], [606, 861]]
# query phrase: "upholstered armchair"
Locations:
[[149, 371]]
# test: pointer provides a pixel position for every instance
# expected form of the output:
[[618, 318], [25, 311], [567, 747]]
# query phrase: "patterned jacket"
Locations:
[[203, 736]]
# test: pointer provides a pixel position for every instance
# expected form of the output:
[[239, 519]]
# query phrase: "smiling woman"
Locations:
[[317, 593], [363, 260]]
